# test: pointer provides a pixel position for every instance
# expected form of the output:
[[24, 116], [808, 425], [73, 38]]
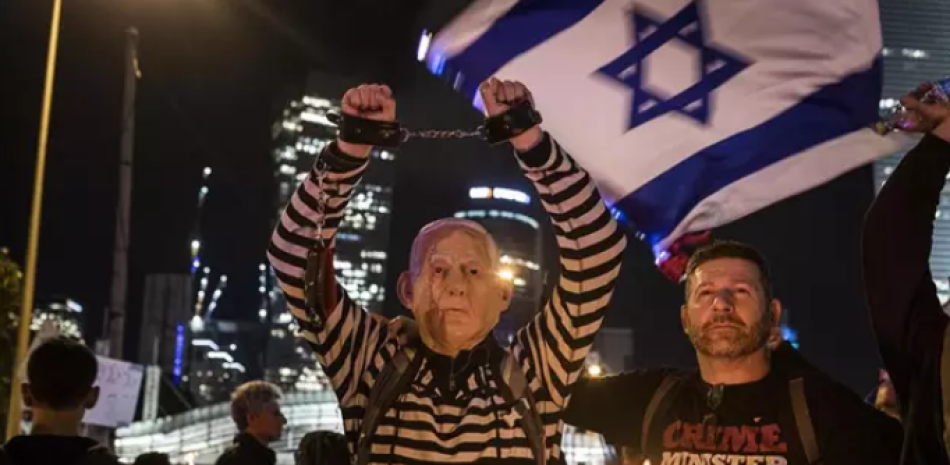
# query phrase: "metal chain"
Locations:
[[322, 200], [441, 134]]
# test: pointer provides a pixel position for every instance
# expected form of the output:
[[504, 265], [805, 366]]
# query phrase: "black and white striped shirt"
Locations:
[[430, 424]]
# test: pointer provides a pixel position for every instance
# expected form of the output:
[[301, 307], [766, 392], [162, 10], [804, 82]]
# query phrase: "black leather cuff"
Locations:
[[362, 131], [512, 123]]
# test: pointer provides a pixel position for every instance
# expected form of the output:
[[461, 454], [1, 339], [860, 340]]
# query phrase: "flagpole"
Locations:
[[29, 282]]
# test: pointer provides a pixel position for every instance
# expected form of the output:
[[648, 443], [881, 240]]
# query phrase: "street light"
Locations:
[[29, 282], [594, 370], [120, 255]]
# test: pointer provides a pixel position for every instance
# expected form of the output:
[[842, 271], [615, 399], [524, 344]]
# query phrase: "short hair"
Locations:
[[152, 458], [61, 372], [731, 249], [252, 397], [430, 234]]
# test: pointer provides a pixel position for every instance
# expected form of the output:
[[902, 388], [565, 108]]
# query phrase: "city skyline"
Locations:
[[208, 99], [515, 225], [362, 239]]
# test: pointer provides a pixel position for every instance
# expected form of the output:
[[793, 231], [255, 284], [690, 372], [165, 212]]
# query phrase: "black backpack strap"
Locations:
[[390, 384], [656, 402], [516, 391], [806, 429]]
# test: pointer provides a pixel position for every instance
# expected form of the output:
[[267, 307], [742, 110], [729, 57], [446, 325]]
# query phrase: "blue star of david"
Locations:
[[717, 66]]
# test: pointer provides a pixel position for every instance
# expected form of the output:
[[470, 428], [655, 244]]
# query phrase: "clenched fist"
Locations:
[[370, 101], [498, 97], [933, 116]]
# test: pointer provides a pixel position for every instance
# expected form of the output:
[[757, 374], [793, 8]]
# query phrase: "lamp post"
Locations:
[[29, 281]]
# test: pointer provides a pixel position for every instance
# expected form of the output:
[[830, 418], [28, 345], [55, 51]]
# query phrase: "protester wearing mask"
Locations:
[[753, 400], [908, 319], [460, 402]]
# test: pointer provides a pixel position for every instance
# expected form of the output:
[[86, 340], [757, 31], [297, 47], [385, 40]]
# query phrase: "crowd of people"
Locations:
[[438, 388]]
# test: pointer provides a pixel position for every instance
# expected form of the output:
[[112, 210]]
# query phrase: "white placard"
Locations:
[[119, 383]]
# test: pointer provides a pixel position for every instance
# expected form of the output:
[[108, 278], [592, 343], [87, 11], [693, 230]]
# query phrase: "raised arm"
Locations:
[[553, 346], [345, 338], [591, 247], [897, 239]]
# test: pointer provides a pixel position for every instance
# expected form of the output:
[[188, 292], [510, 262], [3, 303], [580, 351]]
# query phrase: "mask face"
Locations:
[[457, 295]]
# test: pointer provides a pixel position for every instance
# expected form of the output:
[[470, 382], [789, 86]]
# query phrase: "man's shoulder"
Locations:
[[96, 455], [837, 404], [100, 455], [820, 385], [230, 456], [846, 425]]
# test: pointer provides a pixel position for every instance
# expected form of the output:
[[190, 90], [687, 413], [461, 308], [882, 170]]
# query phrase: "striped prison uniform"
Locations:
[[425, 426]]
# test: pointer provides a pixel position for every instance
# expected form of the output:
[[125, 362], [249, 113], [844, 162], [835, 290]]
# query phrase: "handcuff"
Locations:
[[519, 118], [319, 289]]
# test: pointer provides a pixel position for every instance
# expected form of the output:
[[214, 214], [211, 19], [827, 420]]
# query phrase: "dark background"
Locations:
[[216, 75]]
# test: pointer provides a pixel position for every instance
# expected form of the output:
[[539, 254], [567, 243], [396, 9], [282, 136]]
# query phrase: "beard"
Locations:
[[735, 342]]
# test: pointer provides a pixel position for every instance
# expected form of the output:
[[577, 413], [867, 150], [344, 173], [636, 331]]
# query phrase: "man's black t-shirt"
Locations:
[[752, 424]]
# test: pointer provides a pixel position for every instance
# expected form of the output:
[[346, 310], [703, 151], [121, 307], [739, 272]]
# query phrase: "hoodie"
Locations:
[[55, 450]]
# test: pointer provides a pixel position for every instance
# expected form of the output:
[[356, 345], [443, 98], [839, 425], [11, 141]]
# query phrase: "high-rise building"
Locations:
[[362, 238], [916, 50], [61, 311], [507, 215], [168, 306], [217, 358]]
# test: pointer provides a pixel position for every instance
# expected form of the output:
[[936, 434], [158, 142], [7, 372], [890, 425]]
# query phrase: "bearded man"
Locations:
[[754, 400], [456, 395]]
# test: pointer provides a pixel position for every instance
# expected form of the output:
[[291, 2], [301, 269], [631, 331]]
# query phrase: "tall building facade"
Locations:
[[362, 238], [916, 50], [508, 216], [167, 306], [217, 357]]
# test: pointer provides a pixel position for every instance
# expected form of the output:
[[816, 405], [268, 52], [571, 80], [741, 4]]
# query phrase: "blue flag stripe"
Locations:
[[660, 205], [525, 26]]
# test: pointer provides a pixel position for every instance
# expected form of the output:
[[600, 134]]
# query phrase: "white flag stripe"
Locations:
[[788, 177]]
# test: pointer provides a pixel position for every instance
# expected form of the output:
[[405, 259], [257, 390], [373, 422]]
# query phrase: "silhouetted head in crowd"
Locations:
[[152, 458], [255, 409], [59, 387]]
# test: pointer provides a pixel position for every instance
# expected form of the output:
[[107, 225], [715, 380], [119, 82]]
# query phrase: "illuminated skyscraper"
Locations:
[[214, 358], [362, 238], [507, 215], [916, 50], [167, 306]]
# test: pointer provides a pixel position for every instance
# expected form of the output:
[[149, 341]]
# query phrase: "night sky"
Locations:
[[215, 77]]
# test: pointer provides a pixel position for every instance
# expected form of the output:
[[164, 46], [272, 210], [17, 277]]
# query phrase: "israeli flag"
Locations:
[[689, 113]]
